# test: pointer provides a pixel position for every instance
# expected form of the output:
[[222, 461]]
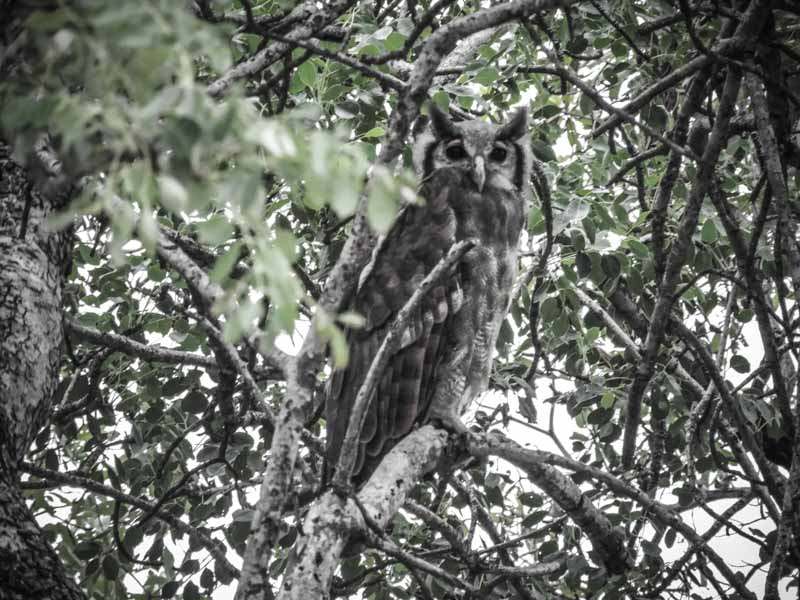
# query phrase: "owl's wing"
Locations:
[[418, 241]]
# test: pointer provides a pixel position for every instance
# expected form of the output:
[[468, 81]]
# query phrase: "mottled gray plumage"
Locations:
[[475, 182]]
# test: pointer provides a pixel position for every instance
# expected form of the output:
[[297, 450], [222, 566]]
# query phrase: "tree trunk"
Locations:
[[33, 266]]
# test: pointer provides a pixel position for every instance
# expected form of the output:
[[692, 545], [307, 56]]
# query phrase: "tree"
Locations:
[[188, 193]]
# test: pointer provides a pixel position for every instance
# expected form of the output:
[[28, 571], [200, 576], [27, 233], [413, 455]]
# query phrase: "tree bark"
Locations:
[[34, 262]]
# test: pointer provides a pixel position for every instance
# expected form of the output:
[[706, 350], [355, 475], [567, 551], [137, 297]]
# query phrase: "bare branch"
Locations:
[[126, 345]]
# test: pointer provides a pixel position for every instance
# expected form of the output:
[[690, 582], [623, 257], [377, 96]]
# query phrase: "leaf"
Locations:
[[169, 589], [586, 104], [543, 151], [174, 196], [709, 233], [381, 208], [207, 578], [559, 326], [638, 248], [527, 409], [307, 73], [610, 264], [226, 262], [486, 77], [740, 364], [330, 333], [375, 132], [656, 116], [650, 549], [575, 211], [382, 33], [215, 230], [550, 309], [87, 550], [394, 41], [584, 264], [110, 567], [351, 319], [339, 349], [669, 537], [194, 402]]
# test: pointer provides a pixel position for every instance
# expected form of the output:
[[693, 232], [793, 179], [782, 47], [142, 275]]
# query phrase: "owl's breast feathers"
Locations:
[[458, 314]]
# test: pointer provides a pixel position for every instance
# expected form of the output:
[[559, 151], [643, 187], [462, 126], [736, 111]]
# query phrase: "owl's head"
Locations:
[[493, 156]]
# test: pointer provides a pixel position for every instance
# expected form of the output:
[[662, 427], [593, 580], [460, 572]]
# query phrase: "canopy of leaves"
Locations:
[[659, 288]]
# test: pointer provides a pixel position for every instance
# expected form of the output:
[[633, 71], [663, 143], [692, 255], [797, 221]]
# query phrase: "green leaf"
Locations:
[[669, 537], [330, 333], [215, 230], [226, 262], [586, 104], [382, 205], [339, 349], [351, 319], [174, 196], [287, 244], [395, 41], [656, 116], [375, 132], [709, 233], [638, 248], [559, 326], [487, 77], [307, 73]]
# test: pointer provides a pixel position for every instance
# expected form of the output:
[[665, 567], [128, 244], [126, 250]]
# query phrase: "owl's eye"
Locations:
[[455, 152], [498, 154]]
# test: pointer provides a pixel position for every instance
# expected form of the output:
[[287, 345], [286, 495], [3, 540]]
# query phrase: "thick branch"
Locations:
[[126, 345], [330, 520]]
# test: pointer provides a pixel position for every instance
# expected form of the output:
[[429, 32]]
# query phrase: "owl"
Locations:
[[475, 186]]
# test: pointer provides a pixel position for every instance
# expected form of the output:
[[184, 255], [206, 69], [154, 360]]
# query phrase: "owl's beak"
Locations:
[[479, 172]]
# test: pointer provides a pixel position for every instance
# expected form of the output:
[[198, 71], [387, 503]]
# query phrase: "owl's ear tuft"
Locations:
[[516, 127], [441, 123]]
